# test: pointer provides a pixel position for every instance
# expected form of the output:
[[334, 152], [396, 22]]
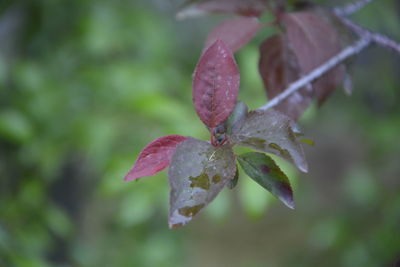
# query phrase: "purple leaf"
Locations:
[[215, 84], [263, 169], [197, 173], [155, 157], [241, 7], [273, 132], [278, 68], [235, 33], [314, 41]]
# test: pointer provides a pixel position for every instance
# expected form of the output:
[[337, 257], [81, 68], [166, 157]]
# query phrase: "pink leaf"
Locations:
[[235, 33], [215, 84], [242, 7], [155, 157]]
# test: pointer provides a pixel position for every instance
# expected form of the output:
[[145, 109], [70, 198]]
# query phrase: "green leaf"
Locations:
[[198, 172], [273, 132], [263, 169]]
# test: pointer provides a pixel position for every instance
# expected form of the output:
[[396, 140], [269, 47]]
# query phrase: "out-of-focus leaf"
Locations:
[[271, 131], [314, 41], [215, 84], [263, 169], [155, 157], [195, 8], [197, 173], [235, 33], [237, 117], [14, 127], [278, 68], [233, 182]]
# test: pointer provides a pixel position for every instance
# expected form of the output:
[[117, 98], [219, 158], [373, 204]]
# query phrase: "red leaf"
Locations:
[[215, 84], [235, 33], [155, 157], [314, 41], [278, 68], [242, 7]]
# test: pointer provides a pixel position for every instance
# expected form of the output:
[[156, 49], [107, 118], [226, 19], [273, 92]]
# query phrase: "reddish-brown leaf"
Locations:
[[240, 7], [235, 33], [278, 68], [215, 84], [314, 41], [155, 157]]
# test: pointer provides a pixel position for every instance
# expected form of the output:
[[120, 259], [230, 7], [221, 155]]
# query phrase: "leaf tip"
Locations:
[[289, 203], [130, 177], [303, 167]]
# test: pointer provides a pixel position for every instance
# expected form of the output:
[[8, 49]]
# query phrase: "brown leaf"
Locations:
[[235, 32], [314, 41], [278, 68], [241, 7]]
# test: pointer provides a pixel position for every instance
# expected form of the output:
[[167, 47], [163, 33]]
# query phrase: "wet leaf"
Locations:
[[197, 173], [273, 132], [263, 169], [195, 8], [314, 41], [235, 33], [215, 84], [278, 68], [155, 157]]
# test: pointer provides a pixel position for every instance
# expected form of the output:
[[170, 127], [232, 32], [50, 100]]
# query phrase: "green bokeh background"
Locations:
[[85, 85]]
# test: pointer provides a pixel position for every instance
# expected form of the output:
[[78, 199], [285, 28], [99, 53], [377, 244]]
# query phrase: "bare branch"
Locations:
[[319, 71], [351, 8], [377, 38], [366, 37]]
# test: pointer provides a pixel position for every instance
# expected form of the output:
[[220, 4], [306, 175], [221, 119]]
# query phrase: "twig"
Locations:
[[351, 8], [319, 71], [377, 38], [366, 37]]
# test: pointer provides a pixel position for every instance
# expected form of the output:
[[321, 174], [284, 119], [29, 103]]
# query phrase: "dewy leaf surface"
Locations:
[[215, 84], [197, 173], [154, 157], [273, 132], [314, 41], [235, 33], [278, 68], [195, 8], [263, 169]]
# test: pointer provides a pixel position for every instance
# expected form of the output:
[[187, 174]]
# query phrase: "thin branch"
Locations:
[[366, 37], [319, 71], [377, 38], [351, 8]]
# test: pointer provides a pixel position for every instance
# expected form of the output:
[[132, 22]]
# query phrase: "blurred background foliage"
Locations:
[[85, 85]]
